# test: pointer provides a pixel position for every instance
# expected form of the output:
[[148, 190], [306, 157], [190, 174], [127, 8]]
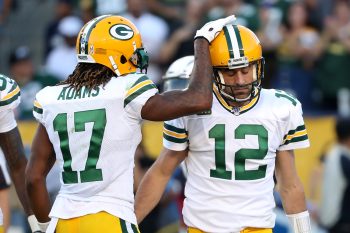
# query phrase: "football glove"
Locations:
[[211, 29]]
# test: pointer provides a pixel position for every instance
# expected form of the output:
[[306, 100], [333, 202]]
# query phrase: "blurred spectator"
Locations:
[[269, 32], [297, 55], [104, 7], [317, 10], [154, 31], [172, 11], [63, 8], [246, 13], [314, 13], [335, 204], [332, 70], [180, 42], [62, 60], [281, 5], [29, 80], [87, 10], [270, 36], [5, 8], [316, 179]]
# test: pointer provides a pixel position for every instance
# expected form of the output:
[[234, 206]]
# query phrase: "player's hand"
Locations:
[[211, 29]]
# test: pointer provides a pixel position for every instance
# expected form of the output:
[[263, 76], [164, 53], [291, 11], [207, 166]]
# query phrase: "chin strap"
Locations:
[[300, 222], [114, 65]]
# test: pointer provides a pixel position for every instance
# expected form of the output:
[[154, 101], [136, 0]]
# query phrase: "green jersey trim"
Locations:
[[11, 96], [142, 85], [174, 134], [296, 135]]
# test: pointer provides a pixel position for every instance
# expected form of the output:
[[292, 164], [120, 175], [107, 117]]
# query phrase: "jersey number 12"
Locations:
[[218, 133]]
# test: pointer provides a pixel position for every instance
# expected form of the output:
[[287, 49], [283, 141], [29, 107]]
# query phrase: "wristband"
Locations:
[[300, 222], [43, 226], [33, 223]]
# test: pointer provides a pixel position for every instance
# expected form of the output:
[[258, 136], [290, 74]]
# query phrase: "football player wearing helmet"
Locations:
[[233, 151], [177, 77], [12, 146], [91, 124]]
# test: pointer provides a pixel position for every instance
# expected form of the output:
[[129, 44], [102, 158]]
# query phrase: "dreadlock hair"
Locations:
[[88, 75]]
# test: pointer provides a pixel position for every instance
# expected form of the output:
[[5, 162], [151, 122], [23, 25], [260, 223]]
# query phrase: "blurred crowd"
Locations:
[[306, 46]]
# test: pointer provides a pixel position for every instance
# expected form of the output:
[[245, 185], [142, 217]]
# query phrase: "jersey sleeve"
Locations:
[[38, 109], [175, 136], [138, 94], [7, 121], [9, 100], [9, 94], [295, 135]]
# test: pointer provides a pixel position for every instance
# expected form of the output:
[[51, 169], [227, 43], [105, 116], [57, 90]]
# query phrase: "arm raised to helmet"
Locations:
[[198, 96]]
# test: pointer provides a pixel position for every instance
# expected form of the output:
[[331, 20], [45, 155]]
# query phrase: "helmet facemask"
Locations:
[[227, 91], [236, 47], [140, 59]]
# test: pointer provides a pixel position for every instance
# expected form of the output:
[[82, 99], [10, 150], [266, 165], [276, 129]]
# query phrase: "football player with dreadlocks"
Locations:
[[233, 151], [91, 123]]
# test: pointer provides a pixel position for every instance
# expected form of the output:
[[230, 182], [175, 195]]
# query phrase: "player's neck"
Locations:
[[238, 104]]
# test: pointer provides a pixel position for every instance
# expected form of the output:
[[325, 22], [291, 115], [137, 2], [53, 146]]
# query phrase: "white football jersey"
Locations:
[[9, 100], [231, 159], [94, 135]]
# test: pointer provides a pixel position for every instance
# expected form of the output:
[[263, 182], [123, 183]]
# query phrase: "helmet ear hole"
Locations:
[[123, 59]]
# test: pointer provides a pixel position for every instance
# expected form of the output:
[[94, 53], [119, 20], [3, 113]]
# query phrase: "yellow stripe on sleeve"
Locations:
[[11, 94], [138, 86]]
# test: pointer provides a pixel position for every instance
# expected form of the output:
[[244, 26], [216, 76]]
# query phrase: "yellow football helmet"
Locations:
[[235, 47], [112, 41]]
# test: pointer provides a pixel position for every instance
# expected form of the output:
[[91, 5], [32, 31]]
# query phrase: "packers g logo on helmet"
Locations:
[[112, 41], [235, 47], [121, 32]]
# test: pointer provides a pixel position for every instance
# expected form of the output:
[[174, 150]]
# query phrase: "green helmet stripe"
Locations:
[[83, 45], [239, 41], [232, 37], [228, 41]]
